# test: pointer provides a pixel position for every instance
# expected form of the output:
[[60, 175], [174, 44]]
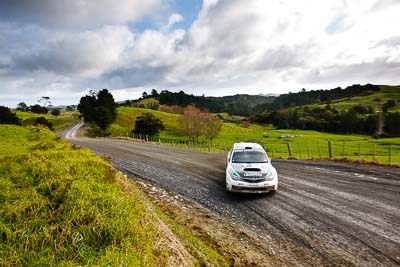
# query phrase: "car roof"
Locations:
[[247, 145]]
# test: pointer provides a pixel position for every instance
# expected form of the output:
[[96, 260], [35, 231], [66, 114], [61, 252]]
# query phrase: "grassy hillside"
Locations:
[[59, 122], [150, 102], [126, 117], [272, 139], [375, 100], [64, 206]]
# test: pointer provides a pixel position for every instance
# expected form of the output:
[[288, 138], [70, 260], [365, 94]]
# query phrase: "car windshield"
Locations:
[[249, 157]]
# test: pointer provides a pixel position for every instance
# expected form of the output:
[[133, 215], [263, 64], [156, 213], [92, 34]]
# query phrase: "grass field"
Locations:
[[59, 122], [270, 138], [64, 206], [375, 100]]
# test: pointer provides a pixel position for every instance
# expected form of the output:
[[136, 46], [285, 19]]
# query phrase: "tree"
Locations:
[[55, 112], [392, 122], [38, 109], [148, 124], [154, 93], [98, 107], [45, 100], [87, 106], [212, 125], [22, 106], [191, 123], [389, 104], [70, 108], [8, 117]]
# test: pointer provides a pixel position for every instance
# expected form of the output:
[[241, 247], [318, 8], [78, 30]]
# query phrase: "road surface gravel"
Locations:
[[324, 213]]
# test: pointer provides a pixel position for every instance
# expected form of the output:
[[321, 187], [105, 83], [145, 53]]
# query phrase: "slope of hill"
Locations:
[[58, 122], [374, 100], [342, 99], [64, 206]]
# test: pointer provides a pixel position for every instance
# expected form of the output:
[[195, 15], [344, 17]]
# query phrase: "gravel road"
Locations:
[[325, 213]]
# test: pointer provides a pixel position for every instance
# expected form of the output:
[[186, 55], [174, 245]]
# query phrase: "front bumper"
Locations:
[[245, 187]]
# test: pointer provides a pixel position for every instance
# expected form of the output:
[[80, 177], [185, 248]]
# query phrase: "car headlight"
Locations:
[[271, 174], [233, 174]]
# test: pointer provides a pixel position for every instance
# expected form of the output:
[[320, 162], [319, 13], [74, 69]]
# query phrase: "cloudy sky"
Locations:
[[62, 49]]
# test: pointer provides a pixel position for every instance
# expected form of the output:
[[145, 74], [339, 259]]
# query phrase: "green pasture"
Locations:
[[59, 122], [271, 138], [375, 100]]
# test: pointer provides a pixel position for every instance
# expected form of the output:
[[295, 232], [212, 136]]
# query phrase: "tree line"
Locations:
[[358, 119], [241, 105], [318, 96]]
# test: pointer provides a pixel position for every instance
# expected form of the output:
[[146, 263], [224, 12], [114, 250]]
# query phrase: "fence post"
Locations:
[[390, 155], [298, 145], [281, 149], [308, 150], [209, 147], [319, 150], [359, 154], [330, 149], [343, 153], [272, 150], [289, 147], [373, 152]]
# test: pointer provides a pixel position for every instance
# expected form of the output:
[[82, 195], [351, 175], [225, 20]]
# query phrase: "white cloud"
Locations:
[[234, 46], [86, 54]]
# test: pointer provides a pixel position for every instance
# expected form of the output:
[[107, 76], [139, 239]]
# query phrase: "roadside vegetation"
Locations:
[[62, 205]]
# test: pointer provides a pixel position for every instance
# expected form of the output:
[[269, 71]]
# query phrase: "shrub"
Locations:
[[55, 112], [148, 124], [8, 117], [43, 122]]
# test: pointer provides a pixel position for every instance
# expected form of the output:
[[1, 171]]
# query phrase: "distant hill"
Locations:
[[240, 104], [371, 96], [365, 109], [251, 105]]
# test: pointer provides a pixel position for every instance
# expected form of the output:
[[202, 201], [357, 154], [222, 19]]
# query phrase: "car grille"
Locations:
[[253, 180], [266, 188]]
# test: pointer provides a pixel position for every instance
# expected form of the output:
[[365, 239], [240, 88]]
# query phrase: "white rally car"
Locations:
[[249, 170]]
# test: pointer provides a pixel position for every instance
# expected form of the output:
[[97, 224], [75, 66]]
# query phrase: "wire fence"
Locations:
[[363, 152]]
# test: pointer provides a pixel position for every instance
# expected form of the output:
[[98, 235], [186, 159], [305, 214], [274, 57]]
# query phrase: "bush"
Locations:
[[8, 117], [38, 109], [55, 112], [43, 122], [148, 124]]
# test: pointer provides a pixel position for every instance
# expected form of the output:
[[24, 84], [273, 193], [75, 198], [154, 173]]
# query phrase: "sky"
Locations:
[[63, 49]]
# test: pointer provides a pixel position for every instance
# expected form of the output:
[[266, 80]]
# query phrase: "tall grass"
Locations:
[[62, 206]]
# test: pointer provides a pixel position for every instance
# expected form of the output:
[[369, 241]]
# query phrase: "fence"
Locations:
[[389, 154]]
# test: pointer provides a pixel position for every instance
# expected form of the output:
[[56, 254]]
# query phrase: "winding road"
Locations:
[[325, 213]]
